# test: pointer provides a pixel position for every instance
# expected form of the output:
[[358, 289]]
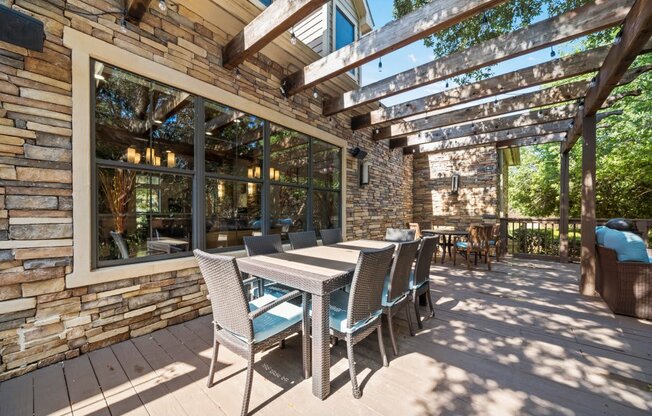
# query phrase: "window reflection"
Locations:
[[288, 155], [288, 206], [325, 210], [232, 212], [326, 162]]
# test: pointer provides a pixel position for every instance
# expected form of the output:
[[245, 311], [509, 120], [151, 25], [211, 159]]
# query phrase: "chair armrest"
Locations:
[[250, 281], [265, 308]]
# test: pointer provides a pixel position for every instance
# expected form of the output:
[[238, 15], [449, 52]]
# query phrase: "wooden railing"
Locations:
[[539, 237]]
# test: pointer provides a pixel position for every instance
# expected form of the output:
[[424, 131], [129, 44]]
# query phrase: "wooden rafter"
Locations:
[[530, 141], [556, 70], [592, 17], [136, 9], [280, 16], [431, 18], [636, 31], [553, 95], [529, 118]]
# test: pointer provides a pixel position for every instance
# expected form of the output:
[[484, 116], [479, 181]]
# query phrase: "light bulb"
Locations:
[[380, 65], [552, 52], [315, 93], [162, 5], [293, 38], [123, 25]]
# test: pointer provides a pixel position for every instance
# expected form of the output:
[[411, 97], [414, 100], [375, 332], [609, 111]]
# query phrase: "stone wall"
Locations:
[[41, 320], [477, 198]]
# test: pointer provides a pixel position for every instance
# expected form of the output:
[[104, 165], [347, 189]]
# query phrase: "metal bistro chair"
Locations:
[[261, 245], [331, 236], [420, 276], [248, 327], [397, 286], [356, 315], [303, 239], [476, 243], [399, 234]]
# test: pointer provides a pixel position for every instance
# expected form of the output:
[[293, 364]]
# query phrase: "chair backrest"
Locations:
[[417, 229], [120, 242], [495, 232], [226, 292], [303, 239], [331, 236], [399, 234], [424, 258], [399, 276], [263, 244], [478, 236], [368, 281]]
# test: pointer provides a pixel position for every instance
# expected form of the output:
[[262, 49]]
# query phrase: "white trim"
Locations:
[[84, 48]]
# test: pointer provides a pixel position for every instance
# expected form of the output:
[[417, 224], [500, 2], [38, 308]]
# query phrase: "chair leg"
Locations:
[[381, 344], [432, 307], [488, 262], [468, 260], [211, 371], [455, 257], [354, 380], [409, 318], [391, 331], [247, 393], [415, 301]]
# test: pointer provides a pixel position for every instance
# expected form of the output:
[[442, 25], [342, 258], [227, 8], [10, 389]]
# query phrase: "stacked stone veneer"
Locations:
[[43, 321], [477, 199]]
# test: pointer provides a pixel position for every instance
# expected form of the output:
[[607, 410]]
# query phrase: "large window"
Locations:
[[344, 29], [174, 172]]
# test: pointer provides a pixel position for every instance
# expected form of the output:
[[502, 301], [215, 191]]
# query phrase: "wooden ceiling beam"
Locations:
[[553, 95], [566, 67], [279, 17], [636, 31], [136, 9], [592, 17], [530, 141], [428, 19]]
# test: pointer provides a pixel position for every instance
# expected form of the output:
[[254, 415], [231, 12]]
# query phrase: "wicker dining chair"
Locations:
[[417, 229], [246, 328], [420, 276], [476, 243], [303, 239], [356, 315], [331, 236], [396, 291], [399, 234], [261, 245]]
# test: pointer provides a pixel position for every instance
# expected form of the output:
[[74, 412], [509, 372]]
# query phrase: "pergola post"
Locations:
[[587, 256], [563, 205]]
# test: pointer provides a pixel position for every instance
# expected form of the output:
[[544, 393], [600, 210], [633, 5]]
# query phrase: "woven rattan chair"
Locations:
[[397, 287], [356, 315], [248, 327], [331, 236], [420, 276], [303, 239], [261, 245], [476, 243], [399, 235]]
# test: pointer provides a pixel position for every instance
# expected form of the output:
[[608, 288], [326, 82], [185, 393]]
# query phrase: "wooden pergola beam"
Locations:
[[553, 95], [534, 117], [556, 70], [530, 141], [428, 19], [136, 9], [592, 17], [280, 16], [636, 31]]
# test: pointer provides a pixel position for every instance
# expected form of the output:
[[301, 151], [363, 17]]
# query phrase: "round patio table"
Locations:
[[447, 243]]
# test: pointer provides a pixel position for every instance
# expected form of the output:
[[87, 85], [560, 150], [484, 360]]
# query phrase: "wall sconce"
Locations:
[[172, 160], [274, 174], [364, 173], [157, 161], [253, 172], [455, 183]]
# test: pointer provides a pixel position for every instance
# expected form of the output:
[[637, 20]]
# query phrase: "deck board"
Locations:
[[516, 340]]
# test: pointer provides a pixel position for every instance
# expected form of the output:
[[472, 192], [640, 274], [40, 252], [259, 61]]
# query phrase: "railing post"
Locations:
[[587, 255], [563, 205], [504, 222]]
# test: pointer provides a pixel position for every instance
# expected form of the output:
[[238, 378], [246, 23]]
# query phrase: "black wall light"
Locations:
[[363, 167]]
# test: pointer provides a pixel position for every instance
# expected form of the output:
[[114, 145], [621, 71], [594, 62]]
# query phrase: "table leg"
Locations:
[[321, 354], [305, 328], [443, 251], [450, 245]]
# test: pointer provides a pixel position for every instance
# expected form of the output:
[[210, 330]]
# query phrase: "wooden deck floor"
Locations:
[[517, 340]]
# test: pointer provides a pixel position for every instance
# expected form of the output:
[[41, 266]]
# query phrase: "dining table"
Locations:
[[446, 243], [317, 271]]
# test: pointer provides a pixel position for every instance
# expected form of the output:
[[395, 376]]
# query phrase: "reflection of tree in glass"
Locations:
[[117, 187]]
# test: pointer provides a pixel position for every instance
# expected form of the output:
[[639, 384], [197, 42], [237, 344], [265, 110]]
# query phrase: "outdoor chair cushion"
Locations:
[[462, 244], [628, 246], [338, 310], [600, 230], [276, 319]]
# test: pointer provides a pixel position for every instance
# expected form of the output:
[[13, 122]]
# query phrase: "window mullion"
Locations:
[[199, 183]]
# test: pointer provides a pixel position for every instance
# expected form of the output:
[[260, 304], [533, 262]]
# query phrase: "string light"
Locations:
[[237, 73], [552, 52], [446, 84], [293, 37], [315, 93], [162, 5], [123, 24], [485, 20], [380, 64], [619, 37]]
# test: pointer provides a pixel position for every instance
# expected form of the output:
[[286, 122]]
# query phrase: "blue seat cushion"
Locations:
[[338, 311], [628, 246], [390, 302], [462, 244], [600, 230], [276, 319]]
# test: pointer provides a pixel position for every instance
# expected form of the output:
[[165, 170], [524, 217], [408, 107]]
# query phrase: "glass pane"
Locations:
[[142, 122], [288, 208], [234, 142], [325, 210], [232, 212], [142, 214], [326, 162], [289, 156], [344, 30]]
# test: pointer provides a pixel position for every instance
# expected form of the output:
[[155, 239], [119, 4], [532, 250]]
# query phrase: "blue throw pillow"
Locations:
[[599, 234], [628, 246]]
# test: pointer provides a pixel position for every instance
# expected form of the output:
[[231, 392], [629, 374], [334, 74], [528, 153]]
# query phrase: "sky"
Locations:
[[417, 54]]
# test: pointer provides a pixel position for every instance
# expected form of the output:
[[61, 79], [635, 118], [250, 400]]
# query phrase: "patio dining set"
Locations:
[[336, 290]]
